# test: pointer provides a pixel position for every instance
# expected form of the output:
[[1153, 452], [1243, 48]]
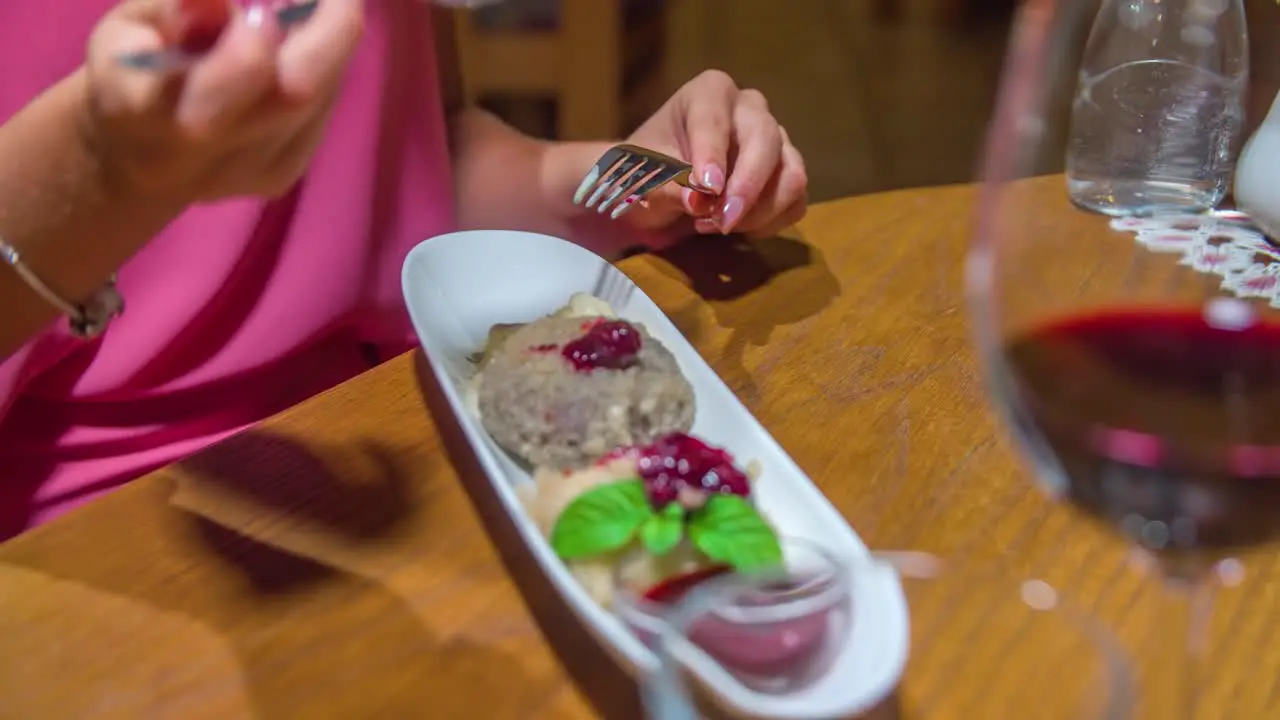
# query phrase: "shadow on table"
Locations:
[[355, 651], [307, 639], [889, 709], [267, 570], [353, 632], [753, 286], [360, 492]]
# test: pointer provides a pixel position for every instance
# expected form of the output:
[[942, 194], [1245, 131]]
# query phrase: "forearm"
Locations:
[[59, 207], [507, 180]]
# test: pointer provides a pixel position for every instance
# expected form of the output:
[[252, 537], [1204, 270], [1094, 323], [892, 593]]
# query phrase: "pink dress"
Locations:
[[239, 309]]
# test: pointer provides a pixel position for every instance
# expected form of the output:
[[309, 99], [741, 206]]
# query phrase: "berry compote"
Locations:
[[611, 344], [677, 463]]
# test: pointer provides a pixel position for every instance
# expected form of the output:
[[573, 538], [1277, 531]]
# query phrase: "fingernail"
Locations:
[[255, 16], [706, 226], [260, 16], [731, 213], [713, 178]]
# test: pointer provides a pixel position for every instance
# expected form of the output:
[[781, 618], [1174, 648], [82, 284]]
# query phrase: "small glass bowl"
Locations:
[[773, 631], [984, 644]]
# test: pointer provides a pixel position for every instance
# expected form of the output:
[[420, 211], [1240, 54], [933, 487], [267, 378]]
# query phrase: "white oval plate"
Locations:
[[457, 286]]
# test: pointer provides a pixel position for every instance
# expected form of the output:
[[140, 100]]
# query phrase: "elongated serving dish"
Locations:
[[457, 287]]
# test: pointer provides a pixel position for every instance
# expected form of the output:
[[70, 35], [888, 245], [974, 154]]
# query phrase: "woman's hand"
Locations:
[[737, 149], [244, 121]]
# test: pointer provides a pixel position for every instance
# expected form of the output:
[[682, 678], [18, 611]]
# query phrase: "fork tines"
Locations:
[[627, 173], [612, 286]]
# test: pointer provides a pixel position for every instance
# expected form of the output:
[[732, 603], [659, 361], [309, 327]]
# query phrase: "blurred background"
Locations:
[[878, 94]]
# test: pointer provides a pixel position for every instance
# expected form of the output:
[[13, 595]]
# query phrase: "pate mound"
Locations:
[[536, 405]]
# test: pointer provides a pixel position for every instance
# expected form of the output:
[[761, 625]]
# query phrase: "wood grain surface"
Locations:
[[328, 565]]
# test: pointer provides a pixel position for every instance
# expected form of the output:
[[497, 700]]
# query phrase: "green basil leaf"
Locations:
[[662, 532], [601, 520], [728, 529]]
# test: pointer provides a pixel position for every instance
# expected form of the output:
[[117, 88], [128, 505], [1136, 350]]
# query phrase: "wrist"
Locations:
[[69, 224], [119, 180], [111, 182], [101, 193]]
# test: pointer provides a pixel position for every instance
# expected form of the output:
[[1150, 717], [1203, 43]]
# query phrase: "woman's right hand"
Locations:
[[245, 120]]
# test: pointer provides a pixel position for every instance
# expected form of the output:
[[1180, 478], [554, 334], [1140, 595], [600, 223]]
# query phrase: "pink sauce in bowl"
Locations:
[[774, 634], [769, 653]]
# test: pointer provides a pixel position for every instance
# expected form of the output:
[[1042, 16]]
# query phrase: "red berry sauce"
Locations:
[[199, 39], [678, 461], [674, 588], [610, 344]]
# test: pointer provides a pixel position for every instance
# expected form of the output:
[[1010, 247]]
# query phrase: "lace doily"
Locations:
[[1247, 263]]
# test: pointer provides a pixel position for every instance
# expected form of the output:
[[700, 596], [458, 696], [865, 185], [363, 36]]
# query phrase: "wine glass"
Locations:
[[983, 645], [1139, 389]]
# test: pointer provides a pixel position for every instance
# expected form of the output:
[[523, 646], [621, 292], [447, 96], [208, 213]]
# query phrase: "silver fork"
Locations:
[[172, 59], [613, 286], [630, 173]]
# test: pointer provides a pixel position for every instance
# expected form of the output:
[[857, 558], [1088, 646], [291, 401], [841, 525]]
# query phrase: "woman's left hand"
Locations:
[[738, 151]]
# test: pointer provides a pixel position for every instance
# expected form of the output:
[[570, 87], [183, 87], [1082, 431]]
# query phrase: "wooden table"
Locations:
[[326, 564]]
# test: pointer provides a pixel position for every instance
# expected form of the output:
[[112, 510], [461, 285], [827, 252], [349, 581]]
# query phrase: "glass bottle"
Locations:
[[1159, 106]]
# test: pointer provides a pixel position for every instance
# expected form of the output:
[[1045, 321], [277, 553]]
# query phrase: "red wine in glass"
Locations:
[[1163, 423]]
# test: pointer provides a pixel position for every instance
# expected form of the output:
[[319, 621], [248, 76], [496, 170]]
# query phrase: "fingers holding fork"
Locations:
[[204, 33]]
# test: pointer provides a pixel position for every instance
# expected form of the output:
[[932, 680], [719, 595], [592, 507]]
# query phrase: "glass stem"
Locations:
[[1192, 593]]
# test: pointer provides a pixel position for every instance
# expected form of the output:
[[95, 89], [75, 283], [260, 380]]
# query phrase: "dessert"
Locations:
[[602, 412], [562, 391], [664, 507]]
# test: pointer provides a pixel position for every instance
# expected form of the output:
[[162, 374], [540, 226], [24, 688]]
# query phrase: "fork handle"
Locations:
[[178, 59]]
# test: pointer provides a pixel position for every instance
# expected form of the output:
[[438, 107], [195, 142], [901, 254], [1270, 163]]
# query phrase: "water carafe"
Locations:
[[1158, 108]]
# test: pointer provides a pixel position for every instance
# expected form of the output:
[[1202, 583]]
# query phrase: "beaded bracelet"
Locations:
[[85, 320]]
